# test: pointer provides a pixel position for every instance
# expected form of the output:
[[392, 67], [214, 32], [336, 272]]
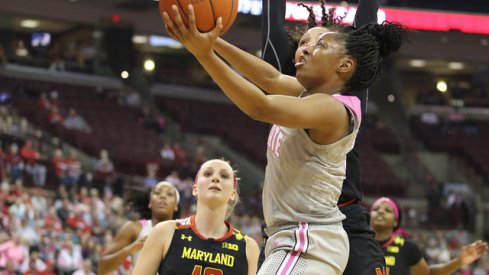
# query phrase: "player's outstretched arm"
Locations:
[[259, 72], [318, 111], [276, 48], [468, 255], [366, 12], [155, 248], [122, 246]]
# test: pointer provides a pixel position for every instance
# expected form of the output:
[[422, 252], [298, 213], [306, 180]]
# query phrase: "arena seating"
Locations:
[[113, 126], [228, 122]]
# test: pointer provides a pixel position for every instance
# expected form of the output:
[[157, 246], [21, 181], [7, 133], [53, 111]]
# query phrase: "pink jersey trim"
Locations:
[[301, 245], [353, 103], [143, 223]]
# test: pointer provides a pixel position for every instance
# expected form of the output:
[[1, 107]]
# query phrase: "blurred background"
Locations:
[[95, 97]]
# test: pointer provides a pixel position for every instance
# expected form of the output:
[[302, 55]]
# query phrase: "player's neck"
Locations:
[[381, 236], [210, 223], [331, 87]]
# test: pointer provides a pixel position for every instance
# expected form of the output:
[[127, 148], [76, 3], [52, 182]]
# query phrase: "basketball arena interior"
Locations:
[[95, 97]]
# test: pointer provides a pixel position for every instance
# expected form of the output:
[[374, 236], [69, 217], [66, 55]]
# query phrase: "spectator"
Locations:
[[181, 156], [167, 154], [15, 165], [57, 65], [104, 171], [21, 52], [60, 166], [74, 169], [69, 258], [151, 174], [33, 264], [133, 99], [33, 167], [430, 118], [13, 252], [75, 122], [86, 268], [55, 117]]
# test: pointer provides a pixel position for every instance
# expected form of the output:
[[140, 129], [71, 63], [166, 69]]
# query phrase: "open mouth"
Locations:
[[300, 62]]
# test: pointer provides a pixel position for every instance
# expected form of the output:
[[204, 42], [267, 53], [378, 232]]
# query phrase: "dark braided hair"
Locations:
[[328, 20], [368, 46], [138, 198]]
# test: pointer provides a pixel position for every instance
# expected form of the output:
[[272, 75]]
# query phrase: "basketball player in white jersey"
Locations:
[[154, 206], [315, 126]]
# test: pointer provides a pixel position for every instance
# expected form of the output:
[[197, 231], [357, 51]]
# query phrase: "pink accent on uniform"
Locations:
[[353, 103], [293, 256], [390, 202], [143, 222]]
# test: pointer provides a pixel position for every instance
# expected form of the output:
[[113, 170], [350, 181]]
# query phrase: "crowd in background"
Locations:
[[56, 219]]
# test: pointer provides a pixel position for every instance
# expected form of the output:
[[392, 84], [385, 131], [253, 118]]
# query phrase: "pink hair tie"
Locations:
[[390, 202]]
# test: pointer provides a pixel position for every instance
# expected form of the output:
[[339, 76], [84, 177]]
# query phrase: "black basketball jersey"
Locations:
[[400, 254], [190, 253]]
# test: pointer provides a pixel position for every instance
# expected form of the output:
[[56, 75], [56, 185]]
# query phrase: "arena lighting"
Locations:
[[413, 19], [124, 74], [140, 39], [29, 23], [417, 63], [149, 65], [456, 65], [441, 86], [391, 98]]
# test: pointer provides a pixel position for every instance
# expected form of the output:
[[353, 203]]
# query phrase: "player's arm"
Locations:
[[276, 48], [252, 252], [366, 12], [155, 248], [468, 254], [122, 246], [261, 73], [319, 111]]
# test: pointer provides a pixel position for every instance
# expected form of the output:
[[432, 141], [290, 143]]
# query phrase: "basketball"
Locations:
[[206, 12]]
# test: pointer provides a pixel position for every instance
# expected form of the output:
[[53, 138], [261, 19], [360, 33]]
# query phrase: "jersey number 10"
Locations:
[[207, 271]]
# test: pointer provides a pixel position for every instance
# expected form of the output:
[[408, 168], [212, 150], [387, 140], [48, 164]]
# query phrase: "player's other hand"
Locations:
[[137, 245], [473, 252]]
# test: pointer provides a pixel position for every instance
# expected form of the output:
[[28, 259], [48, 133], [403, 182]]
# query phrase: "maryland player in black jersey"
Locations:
[[203, 244], [403, 256]]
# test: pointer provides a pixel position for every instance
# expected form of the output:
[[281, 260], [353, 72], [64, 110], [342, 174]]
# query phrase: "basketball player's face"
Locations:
[[382, 216], [318, 56], [215, 181], [163, 202]]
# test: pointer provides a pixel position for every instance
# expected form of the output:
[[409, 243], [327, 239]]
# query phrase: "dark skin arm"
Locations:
[[124, 244]]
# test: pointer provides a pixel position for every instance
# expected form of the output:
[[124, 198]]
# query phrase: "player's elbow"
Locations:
[[103, 267], [259, 113]]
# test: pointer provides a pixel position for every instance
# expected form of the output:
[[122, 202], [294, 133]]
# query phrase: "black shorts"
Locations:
[[366, 256]]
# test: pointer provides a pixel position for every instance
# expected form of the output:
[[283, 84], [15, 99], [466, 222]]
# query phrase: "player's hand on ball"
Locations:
[[199, 44]]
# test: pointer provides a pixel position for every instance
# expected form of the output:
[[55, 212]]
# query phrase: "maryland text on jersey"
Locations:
[[190, 251]]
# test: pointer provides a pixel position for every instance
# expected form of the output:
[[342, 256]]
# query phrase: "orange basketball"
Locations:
[[206, 12]]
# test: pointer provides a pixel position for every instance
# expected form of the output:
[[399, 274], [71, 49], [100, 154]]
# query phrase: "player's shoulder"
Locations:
[[183, 223], [402, 241], [130, 228], [239, 236], [165, 226]]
